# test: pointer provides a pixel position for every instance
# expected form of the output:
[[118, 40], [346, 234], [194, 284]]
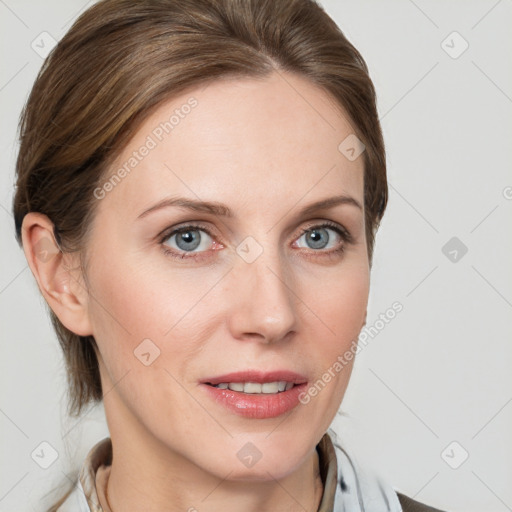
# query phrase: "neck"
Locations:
[[135, 485], [138, 492]]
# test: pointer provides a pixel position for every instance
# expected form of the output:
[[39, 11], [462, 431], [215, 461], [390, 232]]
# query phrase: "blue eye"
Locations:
[[319, 236], [185, 240]]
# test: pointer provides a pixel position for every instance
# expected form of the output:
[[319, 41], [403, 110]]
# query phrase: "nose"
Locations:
[[263, 303]]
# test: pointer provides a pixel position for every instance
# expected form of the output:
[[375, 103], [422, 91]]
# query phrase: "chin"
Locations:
[[260, 457], [260, 472]]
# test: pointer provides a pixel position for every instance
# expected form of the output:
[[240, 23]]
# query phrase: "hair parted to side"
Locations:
[[119, 61]]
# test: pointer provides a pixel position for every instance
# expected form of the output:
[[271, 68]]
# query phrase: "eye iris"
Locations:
[[188, 237], [316, 238]]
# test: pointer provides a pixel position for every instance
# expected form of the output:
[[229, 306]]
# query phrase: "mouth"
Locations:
[[254, 381], [256, 388], [256, 395]]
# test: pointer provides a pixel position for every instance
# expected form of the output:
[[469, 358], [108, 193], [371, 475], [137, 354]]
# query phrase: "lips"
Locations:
[[257, 376], [259, 399], [255, 406]]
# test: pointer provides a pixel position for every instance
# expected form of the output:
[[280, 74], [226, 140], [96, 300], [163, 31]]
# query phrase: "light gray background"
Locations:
[[440, 371]]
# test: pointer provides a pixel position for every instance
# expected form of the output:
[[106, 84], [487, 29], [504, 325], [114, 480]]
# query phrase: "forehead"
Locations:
[[255, 143]]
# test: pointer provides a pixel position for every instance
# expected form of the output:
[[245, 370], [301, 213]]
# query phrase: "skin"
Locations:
[[266, 148]]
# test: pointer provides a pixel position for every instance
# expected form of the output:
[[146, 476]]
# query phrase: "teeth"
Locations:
[[256, 387], [270, 387], [252, 387]]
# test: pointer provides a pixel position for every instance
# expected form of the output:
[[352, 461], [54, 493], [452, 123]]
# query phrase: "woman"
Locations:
[[199, 184]]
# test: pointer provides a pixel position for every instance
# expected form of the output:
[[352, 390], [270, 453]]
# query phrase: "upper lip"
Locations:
[[257, 376]]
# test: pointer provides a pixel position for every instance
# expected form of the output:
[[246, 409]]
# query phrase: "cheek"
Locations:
[[135, 313], [122, 309], [133, 301], [340, 308], [340, 304]]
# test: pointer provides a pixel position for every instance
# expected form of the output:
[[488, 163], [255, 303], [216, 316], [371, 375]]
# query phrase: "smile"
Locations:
[[256, 387]]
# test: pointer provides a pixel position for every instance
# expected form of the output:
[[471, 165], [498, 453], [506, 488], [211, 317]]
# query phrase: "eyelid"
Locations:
[[167, 232], [345, 233]]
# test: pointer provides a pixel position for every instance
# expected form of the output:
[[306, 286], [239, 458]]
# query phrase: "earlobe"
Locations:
[[57, 279]]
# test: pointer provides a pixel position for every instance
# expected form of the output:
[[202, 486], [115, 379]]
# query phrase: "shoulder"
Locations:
[[350, 486], [409, 505]]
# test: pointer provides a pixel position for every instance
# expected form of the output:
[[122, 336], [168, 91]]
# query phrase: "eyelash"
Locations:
[[333, 253]]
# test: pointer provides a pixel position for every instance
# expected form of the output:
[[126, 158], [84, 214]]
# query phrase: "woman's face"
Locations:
[[270, 288]]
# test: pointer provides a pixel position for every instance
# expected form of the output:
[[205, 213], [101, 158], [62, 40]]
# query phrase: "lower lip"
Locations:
[[256, 406]]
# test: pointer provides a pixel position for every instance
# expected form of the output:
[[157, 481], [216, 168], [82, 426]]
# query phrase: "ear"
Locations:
[[57, 274]]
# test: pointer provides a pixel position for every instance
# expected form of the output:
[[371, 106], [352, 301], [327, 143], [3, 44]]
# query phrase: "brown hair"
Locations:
[[119, 61]]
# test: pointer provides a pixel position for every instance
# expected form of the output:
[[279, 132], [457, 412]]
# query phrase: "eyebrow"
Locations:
[[221, 210]]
